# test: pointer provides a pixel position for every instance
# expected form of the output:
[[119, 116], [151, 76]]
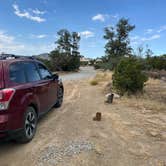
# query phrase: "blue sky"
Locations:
[[29, 27]]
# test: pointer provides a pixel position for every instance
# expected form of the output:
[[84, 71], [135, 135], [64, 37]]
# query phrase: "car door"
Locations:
[[38, 86], [46, 75]]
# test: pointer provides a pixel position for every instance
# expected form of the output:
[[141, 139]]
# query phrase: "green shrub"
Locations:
[[64, 62], [110, 65], [128, 76], [157, 62], [94, 82], [104, 66], [83, 63], [153, 63]]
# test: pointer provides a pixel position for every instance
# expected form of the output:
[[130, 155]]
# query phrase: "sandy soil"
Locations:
[[129, 134]]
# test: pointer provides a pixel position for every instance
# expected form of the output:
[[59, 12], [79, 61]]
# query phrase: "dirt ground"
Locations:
[[132, 131]]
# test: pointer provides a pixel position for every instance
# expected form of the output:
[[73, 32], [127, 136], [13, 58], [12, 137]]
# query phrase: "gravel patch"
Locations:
[[52, 155]]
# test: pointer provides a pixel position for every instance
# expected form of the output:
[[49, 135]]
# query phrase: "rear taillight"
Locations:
[[5, 98]]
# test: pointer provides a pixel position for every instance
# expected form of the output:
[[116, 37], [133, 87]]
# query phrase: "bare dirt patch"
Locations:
[[132, 131]]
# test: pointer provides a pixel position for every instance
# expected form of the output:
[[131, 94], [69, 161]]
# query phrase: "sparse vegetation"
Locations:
[[118, 44], [66, 56], [94, 82], [101, 77], [104, 66], [128, 77], [156, 62], [149, 62]]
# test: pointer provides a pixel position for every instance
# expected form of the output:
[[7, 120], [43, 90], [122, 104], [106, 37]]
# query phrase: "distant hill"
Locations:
[[43, 56]]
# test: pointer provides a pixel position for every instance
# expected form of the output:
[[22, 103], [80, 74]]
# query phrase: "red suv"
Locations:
[[27, 91]]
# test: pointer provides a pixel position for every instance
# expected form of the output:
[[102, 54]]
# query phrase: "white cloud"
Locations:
[[99, 17], [5, 38], [163, 28], [87, 34], [115, 16], [41, 36], [149, 31], [154, 37], [38, 12], [8, 43], [137, 40], [159, 30], [26, 14], [103, 17]]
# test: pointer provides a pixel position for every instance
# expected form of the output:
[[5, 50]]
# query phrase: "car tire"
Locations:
[[60, 98], [30, 125]]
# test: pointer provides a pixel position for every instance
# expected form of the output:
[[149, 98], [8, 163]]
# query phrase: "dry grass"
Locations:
[[155, 89], [147, 105], [101, 77], [157, 74], [94, 82], [104, 76], [153, 98]]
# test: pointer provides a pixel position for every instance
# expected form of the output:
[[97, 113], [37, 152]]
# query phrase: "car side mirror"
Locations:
[[55, 76]]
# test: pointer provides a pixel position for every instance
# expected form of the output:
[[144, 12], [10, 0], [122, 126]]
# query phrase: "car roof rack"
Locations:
[[12, 56]]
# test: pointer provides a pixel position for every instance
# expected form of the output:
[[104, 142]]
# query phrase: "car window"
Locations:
[[31, 72], [45, 74], [16, 73]]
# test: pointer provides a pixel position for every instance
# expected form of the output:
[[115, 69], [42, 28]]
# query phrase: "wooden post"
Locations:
[[110, 98], [97, 117]]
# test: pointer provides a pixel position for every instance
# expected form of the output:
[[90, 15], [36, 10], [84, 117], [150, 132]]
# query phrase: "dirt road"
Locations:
[[127, 135], [84, 73]]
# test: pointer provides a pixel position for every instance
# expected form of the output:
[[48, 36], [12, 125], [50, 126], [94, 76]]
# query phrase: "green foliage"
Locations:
[[66, 55], [153, 62], [104, 66], [63, 62], [118, 43], [128, 76], [148, 61], [109, 65], [83, 63], [94, 82], [156, 62], [64, 41]]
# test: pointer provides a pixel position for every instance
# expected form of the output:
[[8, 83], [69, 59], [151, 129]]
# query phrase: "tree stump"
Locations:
[[97, 117]]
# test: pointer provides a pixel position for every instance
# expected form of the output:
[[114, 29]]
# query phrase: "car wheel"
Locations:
[[30, 125], [60, 98]]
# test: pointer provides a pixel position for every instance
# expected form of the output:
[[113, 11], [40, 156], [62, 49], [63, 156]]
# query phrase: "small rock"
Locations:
[[163, 78], [116, 96], [163, 135], [153, 133]]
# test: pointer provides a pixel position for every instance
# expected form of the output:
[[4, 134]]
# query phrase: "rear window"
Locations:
[[17, 73]]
